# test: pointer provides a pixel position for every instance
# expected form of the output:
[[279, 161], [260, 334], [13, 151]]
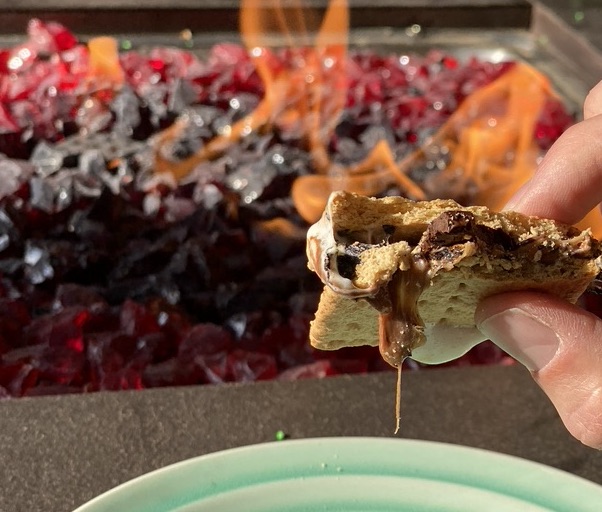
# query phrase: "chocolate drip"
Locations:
[[400, 327]]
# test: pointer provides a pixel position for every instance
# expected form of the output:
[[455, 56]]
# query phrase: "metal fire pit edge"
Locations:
[[135, 16]]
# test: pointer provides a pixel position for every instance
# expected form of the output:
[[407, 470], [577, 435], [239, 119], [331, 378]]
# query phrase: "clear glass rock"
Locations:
[[46, 158]]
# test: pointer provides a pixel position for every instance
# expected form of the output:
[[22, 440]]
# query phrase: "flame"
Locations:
[[489, 139], [307, 94], [491, 143], [104, 60], [294, 93], [369, 177]]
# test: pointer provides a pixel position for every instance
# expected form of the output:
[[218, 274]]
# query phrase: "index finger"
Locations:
[[592, 106]]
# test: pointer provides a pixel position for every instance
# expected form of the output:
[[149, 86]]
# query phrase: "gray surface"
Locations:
[[59, 452]]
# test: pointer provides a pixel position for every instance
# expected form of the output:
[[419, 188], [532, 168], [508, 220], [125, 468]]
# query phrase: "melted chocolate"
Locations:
[[457, 226], [400, 328], [449, 228]]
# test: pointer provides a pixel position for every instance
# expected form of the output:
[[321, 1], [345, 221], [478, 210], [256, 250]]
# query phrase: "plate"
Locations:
[[353, 475]]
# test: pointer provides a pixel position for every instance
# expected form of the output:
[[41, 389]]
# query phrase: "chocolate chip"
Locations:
[[495, 237], [449, 228], [350, 259], [346, 265], [456, 227]]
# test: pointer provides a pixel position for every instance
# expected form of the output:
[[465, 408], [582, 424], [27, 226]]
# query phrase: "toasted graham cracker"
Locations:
[[469, 253]]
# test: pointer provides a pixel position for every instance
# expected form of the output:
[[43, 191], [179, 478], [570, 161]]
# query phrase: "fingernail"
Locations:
[[522, 336]]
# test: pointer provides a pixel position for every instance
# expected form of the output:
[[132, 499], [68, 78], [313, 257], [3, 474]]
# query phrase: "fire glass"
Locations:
[[153, 206]]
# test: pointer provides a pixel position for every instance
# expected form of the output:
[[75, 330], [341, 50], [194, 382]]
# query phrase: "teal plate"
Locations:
[[353, 475]]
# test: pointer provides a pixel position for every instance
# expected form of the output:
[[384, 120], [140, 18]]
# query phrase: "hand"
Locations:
[[560, 343]]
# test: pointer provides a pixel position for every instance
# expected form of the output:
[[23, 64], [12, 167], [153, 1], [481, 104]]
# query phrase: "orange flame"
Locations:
[[295, 95], [308, 95], [489, 138], [104, 60]]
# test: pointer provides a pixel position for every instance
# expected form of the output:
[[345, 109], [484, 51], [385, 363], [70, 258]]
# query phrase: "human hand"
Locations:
[[560, 343]]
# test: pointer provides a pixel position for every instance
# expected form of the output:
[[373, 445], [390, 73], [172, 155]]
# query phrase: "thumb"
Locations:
[[561, 344]]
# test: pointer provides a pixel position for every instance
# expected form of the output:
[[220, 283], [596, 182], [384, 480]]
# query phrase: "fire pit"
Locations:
[[154, 200]]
